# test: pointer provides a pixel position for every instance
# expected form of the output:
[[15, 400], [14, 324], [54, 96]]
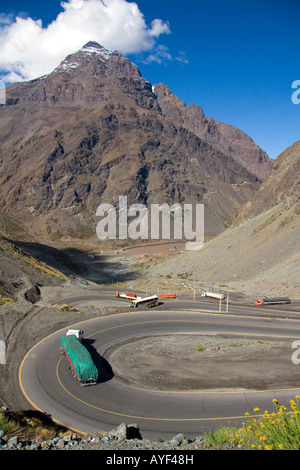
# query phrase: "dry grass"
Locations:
[[5, 300], [29, 260], [30, 425]]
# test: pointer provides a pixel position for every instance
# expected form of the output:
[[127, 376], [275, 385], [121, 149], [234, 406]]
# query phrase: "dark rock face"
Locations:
[[33, 295], [228, 139], [95, 129]]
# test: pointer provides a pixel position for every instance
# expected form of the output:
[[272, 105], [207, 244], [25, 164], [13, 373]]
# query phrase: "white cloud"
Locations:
[[158, 27], [159, 55], [182, 57], [29, 50]]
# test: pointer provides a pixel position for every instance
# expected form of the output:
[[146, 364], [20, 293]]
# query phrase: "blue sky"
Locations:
[[237, 60]]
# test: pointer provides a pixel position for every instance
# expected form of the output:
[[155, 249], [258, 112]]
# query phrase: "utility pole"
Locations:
[[227, 301]]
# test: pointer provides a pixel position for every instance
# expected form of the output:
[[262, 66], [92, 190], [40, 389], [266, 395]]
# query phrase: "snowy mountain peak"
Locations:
[[94, 48], [72, 61]]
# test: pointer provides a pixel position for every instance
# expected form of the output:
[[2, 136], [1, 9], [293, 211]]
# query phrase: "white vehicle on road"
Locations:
[[75, 332], [213, 295]]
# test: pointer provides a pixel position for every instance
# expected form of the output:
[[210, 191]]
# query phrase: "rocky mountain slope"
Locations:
[[282, 185], [22, 276], [259, 254], [95, 129], [228, 139], [26, 266]]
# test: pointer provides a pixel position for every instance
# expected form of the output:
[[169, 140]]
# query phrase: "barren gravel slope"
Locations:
[[259, 257]]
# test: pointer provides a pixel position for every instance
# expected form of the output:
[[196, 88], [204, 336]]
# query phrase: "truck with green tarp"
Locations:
[[80, 360]]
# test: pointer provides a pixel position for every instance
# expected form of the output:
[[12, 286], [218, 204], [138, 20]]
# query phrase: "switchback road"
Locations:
[[48, 385]]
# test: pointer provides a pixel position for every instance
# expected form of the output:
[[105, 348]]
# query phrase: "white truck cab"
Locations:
[[77, 333]]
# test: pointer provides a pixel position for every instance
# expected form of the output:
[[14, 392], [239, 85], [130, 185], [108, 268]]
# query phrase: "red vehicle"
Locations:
[[128, 295]]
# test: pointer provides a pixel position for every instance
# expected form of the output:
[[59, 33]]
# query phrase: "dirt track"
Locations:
[[195, 362]]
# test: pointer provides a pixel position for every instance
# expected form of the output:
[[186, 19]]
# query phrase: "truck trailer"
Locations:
[[213, 295], [272, 301], [127, 295], [80, 360]]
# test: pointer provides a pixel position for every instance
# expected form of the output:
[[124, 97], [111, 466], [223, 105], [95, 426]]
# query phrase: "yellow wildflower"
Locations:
[[293, 405]]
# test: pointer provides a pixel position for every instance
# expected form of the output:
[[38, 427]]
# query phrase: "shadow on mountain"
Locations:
[[73, 262]]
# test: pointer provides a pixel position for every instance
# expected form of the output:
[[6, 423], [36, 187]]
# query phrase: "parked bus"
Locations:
[[149, 302]]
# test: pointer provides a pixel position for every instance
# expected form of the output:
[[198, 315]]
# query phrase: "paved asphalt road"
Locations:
[[49, 386], [186, 301]]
